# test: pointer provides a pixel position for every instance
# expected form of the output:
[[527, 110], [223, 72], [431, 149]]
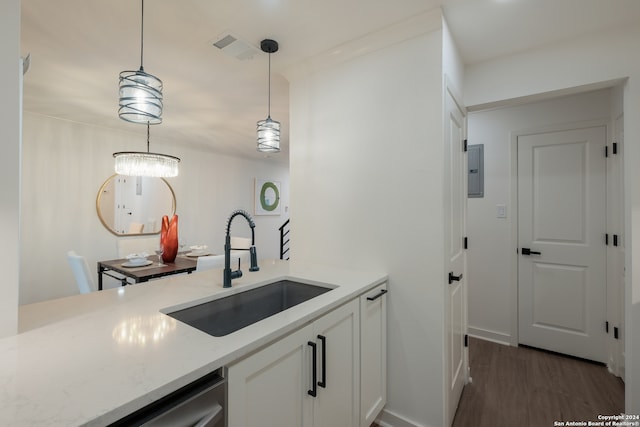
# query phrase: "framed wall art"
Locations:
[[267, 197]]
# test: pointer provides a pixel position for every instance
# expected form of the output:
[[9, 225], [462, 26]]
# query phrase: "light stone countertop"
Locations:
[[92, 359]]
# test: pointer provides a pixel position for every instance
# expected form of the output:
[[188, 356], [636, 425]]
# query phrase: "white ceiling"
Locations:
[[213, 100]]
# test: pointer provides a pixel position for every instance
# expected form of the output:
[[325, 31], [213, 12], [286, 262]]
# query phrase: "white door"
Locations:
[[455, 202], [561, 223]]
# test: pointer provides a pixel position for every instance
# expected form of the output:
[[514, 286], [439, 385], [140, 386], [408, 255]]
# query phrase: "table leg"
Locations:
[[100, 270]]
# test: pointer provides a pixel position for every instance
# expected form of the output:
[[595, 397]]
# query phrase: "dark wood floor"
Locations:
[[524, 387]]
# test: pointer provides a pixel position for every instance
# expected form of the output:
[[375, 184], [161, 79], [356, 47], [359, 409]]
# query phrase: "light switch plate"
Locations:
[[501, 211]]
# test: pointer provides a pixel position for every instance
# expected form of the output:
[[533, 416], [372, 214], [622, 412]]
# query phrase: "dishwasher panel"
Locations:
[[199, 404]]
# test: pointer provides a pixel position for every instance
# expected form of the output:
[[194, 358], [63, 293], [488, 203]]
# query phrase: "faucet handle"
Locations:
[[235, 274]]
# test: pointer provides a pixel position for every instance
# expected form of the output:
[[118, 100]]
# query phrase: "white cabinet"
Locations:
[[275, 386], [270, 387], [338, 368], [373, 348]]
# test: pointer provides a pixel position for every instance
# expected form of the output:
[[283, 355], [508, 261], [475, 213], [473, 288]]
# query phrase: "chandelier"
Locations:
[[139, 163]]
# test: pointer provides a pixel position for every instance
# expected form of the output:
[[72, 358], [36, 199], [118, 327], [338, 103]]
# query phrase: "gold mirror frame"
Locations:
[[106, 188]]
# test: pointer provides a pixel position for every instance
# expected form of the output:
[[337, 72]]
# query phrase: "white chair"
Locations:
[[81, 272], [136, 228], [217, 261], [240, 242], [240, 249], [209, 262]]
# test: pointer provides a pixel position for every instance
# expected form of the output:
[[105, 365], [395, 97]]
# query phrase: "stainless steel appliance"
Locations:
[[199, 404]]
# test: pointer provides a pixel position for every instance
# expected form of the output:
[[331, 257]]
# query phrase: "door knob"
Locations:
[[453, 278], [527, 251]]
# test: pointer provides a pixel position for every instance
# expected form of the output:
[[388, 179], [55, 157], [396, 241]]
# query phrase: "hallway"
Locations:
[[520, 386]]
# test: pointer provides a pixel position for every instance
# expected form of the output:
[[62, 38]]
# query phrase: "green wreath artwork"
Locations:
[[264, 201]]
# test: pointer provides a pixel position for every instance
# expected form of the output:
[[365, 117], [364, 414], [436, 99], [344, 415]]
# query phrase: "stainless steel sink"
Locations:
[[225, 315]]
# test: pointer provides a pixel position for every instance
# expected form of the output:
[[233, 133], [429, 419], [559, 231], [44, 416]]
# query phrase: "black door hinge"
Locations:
[[606, 326], [466, 243], [615, 240], [466, 340], [606, 151], [464, 145], [614, 148], [606, 239], [615, 332]]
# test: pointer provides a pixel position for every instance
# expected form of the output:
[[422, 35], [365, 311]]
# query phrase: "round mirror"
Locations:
[[134, 205]]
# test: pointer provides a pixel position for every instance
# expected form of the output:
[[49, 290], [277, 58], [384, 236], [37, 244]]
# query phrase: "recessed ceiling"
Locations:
[[213, 100]]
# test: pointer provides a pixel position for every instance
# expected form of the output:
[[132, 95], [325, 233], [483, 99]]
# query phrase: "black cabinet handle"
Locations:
[[378, 295], [527, 251], [453, 278], [314, 390], [323, 340]]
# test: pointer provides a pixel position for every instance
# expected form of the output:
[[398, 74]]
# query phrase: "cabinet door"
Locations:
[[338, 368], [373, 348], [269, 388]]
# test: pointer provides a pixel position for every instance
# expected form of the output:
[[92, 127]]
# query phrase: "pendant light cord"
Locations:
[[269, 96], [142, 36], [141, 51]]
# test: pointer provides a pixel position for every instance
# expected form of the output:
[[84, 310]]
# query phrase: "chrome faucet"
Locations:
[[229, 275]]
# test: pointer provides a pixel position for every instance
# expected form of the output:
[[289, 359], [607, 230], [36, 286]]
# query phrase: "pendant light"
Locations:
[[268, 129], [138, 163], [140, 92]]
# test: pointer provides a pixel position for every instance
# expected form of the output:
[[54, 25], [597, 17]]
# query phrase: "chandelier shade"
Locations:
[[135, 163], [140, 97], [140, 92], [140, 163], [268, 130]]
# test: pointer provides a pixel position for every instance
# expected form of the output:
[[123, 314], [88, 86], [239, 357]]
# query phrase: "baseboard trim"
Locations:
[[389, 418], [487, 335]]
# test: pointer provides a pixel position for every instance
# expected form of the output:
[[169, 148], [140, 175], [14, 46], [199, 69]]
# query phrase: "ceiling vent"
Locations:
[[234, 46]]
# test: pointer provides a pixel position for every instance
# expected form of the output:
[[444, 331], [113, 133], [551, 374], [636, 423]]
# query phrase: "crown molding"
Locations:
[[396, 33]]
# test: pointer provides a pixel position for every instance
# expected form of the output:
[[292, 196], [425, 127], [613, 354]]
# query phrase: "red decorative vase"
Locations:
[[169, 238]]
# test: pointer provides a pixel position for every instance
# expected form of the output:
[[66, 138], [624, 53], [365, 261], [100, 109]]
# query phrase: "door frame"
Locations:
[[513, 205], [616, 255]]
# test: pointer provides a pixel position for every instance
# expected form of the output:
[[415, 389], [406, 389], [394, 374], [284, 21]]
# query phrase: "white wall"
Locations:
[[10, 106], [65, 163], [492, 291], [588, 60], [366, 192]]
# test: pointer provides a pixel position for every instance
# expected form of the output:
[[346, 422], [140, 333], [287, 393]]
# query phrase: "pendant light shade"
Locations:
[[140, 92], [140, 97], [269, 130], [138, 163], [268, 136]]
